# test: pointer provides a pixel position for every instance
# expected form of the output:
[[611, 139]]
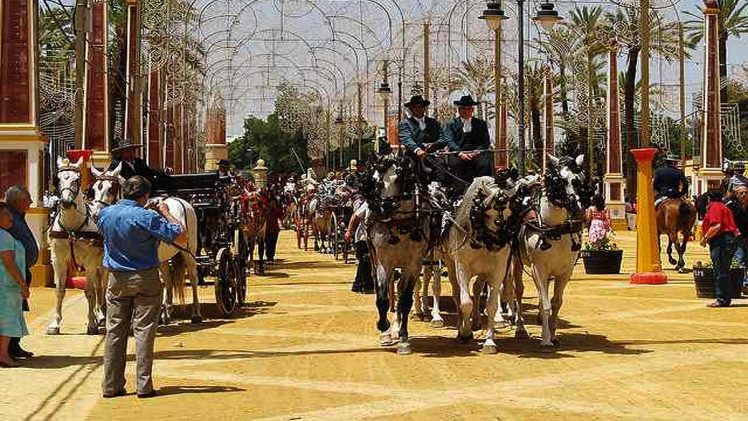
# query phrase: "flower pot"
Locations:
[[705, 278], [602, 262]]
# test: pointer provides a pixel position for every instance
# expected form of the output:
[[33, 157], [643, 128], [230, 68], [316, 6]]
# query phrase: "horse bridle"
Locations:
[[116, 187], [76, 188]]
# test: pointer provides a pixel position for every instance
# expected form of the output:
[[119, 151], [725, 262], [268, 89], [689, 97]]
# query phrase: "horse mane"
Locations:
[[487, 186]]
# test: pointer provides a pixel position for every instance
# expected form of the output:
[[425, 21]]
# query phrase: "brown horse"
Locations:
[[676, 216]]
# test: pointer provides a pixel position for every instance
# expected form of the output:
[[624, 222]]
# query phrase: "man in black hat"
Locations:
[[418, 133], [126, 153], [467, 136], [669, 181]]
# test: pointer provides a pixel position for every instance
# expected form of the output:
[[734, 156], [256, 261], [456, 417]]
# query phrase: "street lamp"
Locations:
[[340, 123], [384, 92], [547, 17]]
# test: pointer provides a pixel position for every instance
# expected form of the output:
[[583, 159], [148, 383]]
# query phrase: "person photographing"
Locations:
[[132, 235]]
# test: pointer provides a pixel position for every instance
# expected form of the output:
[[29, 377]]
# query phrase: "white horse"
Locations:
[[550, 246], [397, 238], [74, 239], [174, 261]]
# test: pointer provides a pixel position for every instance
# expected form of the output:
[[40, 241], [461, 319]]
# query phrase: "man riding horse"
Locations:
[[669, 182], [675, 215]]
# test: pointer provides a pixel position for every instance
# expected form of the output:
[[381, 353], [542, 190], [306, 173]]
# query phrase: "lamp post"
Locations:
[[384, 91], [546, 17], [340, 123]]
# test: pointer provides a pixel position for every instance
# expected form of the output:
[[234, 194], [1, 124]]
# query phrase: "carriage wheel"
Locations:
[[334, 236], [226, 283], [298, 227]]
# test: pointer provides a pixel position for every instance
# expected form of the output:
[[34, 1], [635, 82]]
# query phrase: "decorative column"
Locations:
[[710, 173], [613, 179], [155, 103], [549, 136], [215, 147], [133, 109], [21, 143], [648, 267], [96, 115]]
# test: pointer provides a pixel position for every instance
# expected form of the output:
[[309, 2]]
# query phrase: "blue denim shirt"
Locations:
[[21, 232], [132, 235]]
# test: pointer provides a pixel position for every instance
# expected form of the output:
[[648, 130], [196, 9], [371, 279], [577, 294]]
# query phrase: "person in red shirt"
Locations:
[[720, 232]]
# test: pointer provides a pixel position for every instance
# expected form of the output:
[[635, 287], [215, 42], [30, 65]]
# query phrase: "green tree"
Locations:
[[265, 139]]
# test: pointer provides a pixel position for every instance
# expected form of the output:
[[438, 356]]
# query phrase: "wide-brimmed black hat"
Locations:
[[126, 144], [224, 163], [417, 100], [466, 101]]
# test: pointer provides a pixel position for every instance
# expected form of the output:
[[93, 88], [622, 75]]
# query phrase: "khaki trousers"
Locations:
[[131, 297]]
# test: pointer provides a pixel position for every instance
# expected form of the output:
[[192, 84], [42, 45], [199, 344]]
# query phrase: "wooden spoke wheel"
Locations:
[[334, 239], [241, 264], [227, 283]]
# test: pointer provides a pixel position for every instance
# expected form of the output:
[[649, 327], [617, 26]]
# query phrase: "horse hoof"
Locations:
[[490, 349], [53, 331], [417, 316], [92, 330], [465, 339], [437, 323], [385, 339], [383, 325], [548, 347], [404, 349], [196, 319], [521, 334], [556, 343]]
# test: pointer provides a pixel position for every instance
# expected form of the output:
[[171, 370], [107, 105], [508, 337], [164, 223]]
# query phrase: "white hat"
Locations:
[[353, 165]]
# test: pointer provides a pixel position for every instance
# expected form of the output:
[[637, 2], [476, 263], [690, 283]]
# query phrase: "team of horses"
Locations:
[[500, 228], [75, 241]]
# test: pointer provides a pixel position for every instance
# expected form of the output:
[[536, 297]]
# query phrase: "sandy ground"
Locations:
[[306, 348]]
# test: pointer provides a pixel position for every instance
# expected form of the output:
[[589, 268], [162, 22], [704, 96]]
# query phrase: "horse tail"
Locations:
[[685, 214], [178, 276]]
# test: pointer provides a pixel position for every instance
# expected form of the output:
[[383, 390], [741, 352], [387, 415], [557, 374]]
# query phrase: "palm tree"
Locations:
[[476, 77], [560, 45], [626, 21], [733, 21]]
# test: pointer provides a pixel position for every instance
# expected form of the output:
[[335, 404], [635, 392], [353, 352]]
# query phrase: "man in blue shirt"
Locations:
[[19, 201], [132, 235]]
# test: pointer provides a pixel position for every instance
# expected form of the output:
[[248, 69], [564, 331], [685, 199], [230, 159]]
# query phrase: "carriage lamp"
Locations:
[[493, 15], [547, 16]]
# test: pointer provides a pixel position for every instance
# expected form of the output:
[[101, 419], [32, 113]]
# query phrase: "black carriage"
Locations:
[[222, 250]]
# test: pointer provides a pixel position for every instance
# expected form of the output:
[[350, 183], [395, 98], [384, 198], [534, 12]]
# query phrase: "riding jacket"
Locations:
[[670, 182], [413, 137]]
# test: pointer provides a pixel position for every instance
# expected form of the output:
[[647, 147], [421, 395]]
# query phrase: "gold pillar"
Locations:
[[648, 267]]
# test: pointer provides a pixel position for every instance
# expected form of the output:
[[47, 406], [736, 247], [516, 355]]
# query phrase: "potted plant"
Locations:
[[705, 279], [602, 257]]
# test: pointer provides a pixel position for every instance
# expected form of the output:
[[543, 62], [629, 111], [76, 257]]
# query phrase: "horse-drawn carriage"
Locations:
[[324, 215], [222, 249]]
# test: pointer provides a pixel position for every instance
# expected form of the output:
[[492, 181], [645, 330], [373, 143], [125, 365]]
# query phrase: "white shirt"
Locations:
[[362, 213], [421, 122], [467, 125]]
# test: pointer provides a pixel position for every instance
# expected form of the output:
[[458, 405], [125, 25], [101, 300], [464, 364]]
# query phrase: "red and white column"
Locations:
[[21, 143], [710, 172], [215, 147], [134, 105], [96, 114], [613, 179]]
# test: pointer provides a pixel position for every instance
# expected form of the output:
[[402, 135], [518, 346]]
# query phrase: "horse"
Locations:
[[398, 237], [253, 205], [551, 244], [75, 240], [478, 246], [174, 260], [318, 216], [676, 216]]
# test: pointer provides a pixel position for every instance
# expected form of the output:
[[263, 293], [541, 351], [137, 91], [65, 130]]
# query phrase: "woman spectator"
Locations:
[[13, 288], [720, 232], [599, 220]]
